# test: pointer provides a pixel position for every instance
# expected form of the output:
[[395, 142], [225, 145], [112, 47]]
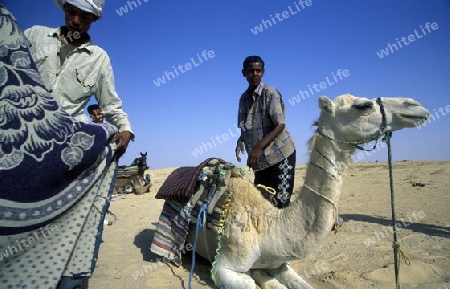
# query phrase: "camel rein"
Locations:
[[395, 245], [358, 145]]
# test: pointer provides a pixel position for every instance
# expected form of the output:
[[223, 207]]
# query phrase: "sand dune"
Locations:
[[360, 255]]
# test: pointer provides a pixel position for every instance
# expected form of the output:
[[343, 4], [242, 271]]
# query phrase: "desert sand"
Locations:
[[359, 255]]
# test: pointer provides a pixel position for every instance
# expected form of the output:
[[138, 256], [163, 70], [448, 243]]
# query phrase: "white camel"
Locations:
[[259, 239]]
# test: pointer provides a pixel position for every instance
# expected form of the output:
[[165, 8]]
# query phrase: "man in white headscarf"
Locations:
[[92, 6], [73, 68]]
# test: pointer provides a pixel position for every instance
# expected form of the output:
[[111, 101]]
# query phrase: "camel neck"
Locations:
[[325, 170], [315, 209]]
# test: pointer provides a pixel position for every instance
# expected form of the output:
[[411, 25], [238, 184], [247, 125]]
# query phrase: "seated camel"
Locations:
[[258, 239]]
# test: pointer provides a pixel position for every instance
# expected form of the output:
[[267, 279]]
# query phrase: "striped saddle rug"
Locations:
[[189, 189]]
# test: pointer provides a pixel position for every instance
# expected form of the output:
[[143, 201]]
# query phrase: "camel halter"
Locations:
[[357, 144], [398, 252]]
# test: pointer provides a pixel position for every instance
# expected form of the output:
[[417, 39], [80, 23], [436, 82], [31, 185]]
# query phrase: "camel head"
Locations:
[[359, 120]]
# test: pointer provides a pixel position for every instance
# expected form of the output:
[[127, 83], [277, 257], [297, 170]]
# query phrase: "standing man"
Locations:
[[73, 68], [270, 147]]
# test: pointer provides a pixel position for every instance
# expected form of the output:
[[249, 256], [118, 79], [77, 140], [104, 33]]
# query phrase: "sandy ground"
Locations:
[[360, 255]]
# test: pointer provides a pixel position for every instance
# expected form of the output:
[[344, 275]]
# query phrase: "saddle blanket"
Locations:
[[211, 187]]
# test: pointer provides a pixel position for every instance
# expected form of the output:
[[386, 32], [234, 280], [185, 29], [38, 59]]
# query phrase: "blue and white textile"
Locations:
[[56, 176]]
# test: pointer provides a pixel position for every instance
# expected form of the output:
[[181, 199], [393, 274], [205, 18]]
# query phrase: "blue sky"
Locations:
[[193, 115]]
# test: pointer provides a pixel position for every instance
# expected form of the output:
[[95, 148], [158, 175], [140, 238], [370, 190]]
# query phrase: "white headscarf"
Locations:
[[92, 6]]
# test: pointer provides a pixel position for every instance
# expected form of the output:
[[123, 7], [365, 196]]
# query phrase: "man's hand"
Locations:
[[253, 156], [122, 139], [258, 150], [239, 149]]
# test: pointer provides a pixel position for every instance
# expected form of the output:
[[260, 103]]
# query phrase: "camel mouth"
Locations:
[[415, 116], [416, 120]]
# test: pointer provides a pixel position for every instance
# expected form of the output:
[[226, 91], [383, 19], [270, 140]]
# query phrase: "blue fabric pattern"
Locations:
[[56, 175]]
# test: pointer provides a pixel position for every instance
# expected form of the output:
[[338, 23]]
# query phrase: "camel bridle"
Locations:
[[358, 144]]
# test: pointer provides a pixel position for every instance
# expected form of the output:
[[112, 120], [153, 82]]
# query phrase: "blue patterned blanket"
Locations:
[[56, 175]]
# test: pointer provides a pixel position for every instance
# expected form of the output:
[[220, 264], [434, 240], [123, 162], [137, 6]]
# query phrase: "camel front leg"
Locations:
[[288, 277], [230, 279], [266, 281]]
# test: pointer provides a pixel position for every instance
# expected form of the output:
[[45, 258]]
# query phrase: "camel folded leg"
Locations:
[[266, 281], [230, 279], [288, 277]]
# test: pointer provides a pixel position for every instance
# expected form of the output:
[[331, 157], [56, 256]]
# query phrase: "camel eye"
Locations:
[[363, 106]]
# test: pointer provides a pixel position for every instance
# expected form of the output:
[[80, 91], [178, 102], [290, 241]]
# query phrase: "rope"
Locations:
[[267, 189], [226, 210], [199, 224], [323, 170], [396, 244], [387, 135], [219, 246], [201, 217], [336, 215], [356, 144], [405, 257]]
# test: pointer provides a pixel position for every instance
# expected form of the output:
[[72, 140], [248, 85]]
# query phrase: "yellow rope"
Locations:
[[402, 254], [226, 210], [396, 246], [221, 231], [219, 246], [267, 189]]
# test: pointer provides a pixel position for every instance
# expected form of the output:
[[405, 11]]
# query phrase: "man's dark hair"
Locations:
[[252, 59], [92, 107]]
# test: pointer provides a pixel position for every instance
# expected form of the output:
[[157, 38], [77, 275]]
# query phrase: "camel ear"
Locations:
[[325, 104]]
